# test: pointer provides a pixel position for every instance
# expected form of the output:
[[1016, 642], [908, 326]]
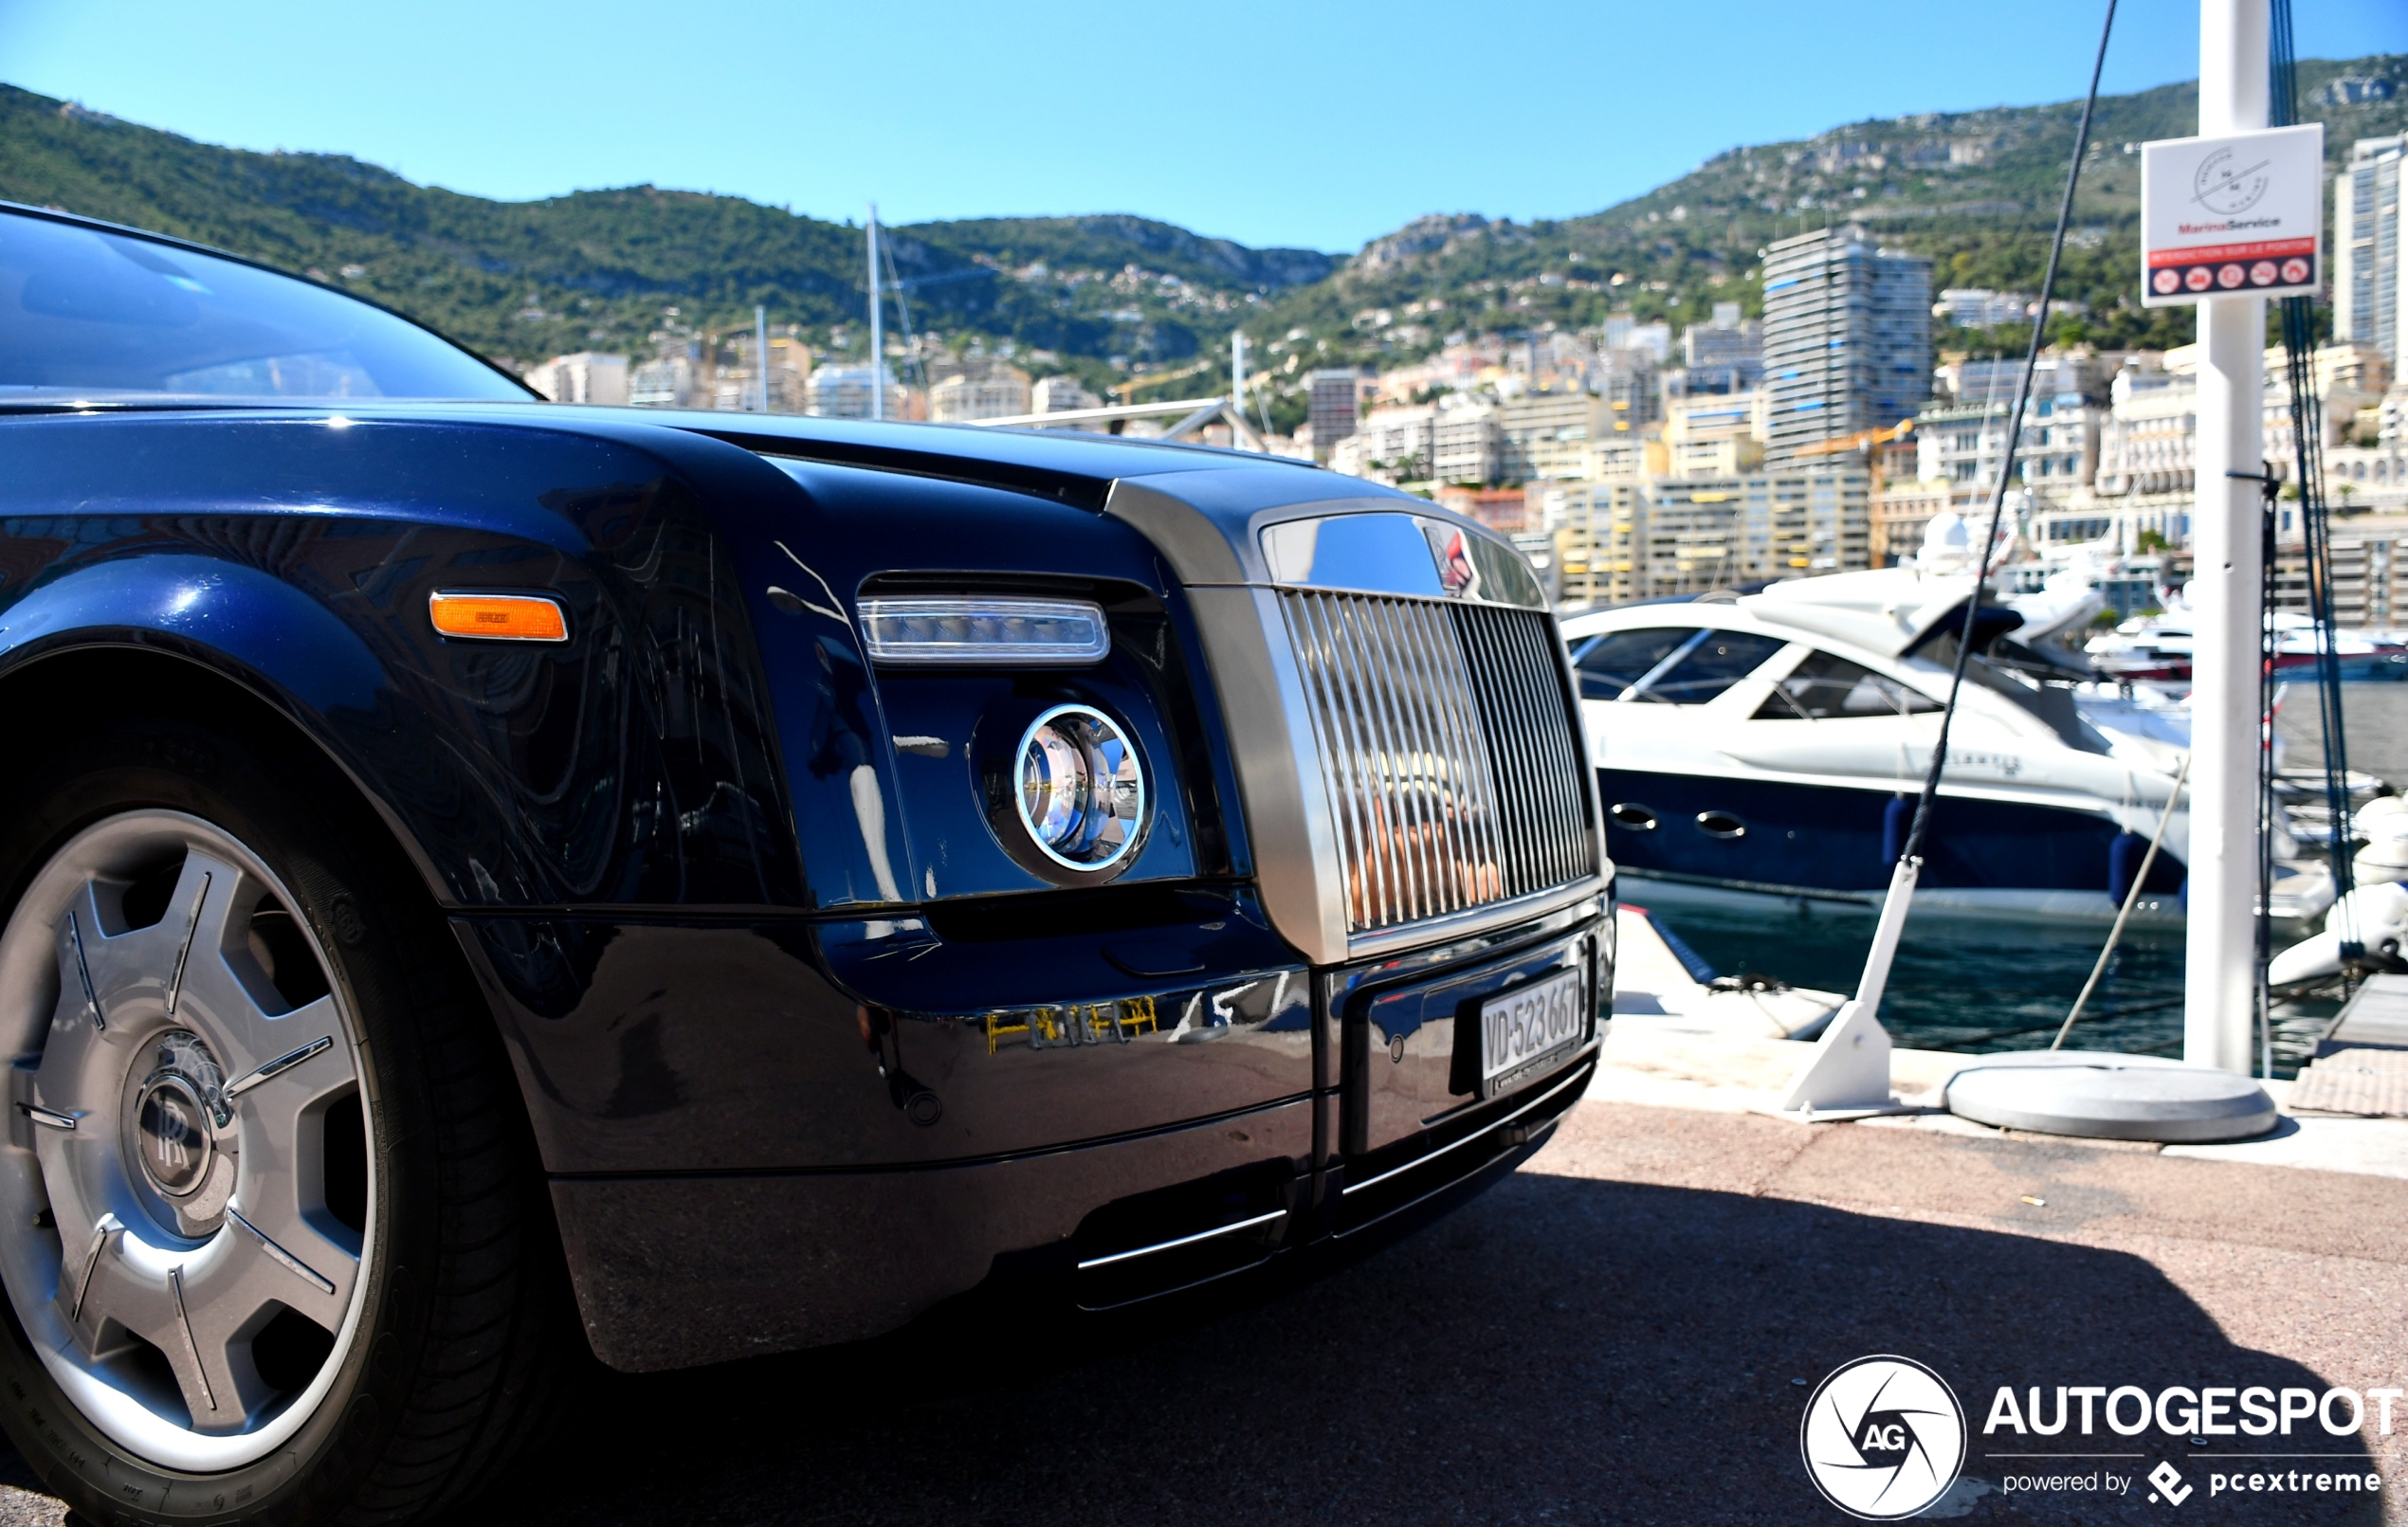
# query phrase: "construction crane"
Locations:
[[1130, 388], [1861, 440]]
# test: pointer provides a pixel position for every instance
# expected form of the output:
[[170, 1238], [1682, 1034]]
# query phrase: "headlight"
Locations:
[[1080, 788], [1021, 632]]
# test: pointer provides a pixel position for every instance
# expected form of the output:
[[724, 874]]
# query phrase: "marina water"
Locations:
[[1983, 983]]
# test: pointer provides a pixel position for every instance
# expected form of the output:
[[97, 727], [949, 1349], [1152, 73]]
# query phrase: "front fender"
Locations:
[[246, 627], [635, 763]]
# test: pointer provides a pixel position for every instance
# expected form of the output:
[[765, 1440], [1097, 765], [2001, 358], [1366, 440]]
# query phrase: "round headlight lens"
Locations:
[[1082, 791]]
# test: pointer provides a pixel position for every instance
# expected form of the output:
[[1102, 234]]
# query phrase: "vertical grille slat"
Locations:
[[1513, 731], [1396, 870], [1424, 778], [1448, 755], [1316, 652]]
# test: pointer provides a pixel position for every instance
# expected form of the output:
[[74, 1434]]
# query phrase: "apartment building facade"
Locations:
[[1846, 338], [2370, 226]]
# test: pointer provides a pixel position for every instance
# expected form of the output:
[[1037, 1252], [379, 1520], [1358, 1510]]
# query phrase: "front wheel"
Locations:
[[274, 1247]]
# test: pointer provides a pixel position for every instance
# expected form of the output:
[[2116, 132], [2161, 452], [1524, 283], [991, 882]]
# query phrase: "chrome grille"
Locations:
[[1447, 745]]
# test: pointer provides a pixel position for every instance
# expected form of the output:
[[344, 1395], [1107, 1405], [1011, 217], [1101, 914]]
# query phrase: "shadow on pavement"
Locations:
[[1560, 1349]]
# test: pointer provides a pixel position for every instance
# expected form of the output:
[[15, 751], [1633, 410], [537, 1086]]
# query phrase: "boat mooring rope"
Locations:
[[2131, 898]]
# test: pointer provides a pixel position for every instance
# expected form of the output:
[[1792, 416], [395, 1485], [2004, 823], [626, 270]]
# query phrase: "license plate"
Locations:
[[1520, 1028]]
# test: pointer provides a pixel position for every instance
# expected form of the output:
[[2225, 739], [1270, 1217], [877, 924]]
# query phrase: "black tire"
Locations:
[[466, 1338]]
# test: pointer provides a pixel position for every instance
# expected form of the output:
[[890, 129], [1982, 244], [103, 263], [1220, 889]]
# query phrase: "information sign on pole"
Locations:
[[2237, 215]]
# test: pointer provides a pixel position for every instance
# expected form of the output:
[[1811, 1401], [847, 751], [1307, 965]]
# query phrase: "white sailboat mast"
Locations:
[[877, 328]]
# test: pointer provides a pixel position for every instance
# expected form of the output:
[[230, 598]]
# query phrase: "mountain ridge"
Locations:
[[1112, 294]]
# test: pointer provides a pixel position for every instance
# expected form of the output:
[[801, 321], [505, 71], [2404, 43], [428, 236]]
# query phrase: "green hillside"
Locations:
[[1113, 296], [523, 281], [1977, 190]]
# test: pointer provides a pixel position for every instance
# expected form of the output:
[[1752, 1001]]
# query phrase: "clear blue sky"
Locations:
[[1321, 125]]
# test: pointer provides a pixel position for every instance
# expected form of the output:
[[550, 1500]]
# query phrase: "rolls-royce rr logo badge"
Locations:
[[1882, 1438], [172, 1136]]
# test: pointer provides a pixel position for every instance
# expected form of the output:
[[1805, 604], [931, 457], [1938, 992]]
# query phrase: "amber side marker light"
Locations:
[[498, 617]]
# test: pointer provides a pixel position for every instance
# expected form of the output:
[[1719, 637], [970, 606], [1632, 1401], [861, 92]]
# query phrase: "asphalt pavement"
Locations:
[[1624, 1331]]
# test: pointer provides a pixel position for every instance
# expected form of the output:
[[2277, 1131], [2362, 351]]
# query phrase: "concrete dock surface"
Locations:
[[1626, 1330]]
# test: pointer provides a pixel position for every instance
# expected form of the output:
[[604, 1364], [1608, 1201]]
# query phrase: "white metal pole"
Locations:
[[760, 352], [2219, 978], [877, 328]]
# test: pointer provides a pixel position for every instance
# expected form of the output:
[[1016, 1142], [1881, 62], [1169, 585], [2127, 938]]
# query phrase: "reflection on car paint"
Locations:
[[1052, 1027], [1207, 1013]]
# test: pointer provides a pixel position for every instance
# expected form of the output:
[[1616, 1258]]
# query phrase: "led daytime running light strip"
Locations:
[[1020, 632]]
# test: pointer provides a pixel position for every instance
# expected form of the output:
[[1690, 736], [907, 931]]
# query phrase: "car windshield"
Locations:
[[90, 314]]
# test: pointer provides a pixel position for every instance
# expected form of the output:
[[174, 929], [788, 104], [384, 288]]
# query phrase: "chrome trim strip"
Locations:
[[275, 1068], [106, 1225], [290, 1263], [175, 982], [48, 1116], [83, 971], [1278, 766], [1184, 1240], [1486, 1129], [1478, 919], [184, 1323]]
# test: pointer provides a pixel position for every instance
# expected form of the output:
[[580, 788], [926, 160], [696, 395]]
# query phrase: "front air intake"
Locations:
[[1446, 732]]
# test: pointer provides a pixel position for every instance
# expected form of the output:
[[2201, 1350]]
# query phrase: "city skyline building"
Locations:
[[1846, 336], [1333, 407], [1061, 394], [1546, 435], [584, 378], [990, 391], [843, 391], [2370, 225]]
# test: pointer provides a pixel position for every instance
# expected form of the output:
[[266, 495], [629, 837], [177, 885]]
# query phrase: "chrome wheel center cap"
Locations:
[[180, 1132], [171, 1132]]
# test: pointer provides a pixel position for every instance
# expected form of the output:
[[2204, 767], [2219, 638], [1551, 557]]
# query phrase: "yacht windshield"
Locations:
[[1613, 663], [1825, 687], [1670, 665], [91, 314]]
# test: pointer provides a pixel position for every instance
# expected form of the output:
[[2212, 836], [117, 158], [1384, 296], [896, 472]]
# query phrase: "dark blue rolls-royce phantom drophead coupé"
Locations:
[[490, 885]]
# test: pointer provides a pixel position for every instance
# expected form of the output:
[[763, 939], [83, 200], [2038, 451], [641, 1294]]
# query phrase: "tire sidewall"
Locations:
[[346, 881]]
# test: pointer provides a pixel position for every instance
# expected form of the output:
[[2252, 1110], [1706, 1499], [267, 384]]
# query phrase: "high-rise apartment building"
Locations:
[[1548, 434], [1335, 405], [1846, 336], [994, 391], [2370, 225], [1628, 538], [844, 392], [584, 378], [1627, 379], [1727, 356], [1061, 394]]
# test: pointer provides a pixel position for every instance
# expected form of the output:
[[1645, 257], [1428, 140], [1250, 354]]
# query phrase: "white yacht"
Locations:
[[2158, 647], [1776, 743]]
